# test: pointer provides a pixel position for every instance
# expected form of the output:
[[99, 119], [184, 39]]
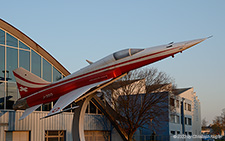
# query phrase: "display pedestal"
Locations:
[[78, 119]]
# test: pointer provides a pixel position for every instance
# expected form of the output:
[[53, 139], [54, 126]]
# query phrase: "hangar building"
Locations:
[[18, 50]]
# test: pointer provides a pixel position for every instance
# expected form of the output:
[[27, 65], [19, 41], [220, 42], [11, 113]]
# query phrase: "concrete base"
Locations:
[[78, 119]]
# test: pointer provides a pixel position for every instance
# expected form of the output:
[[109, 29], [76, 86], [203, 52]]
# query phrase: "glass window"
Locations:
[[177, 103], [2, 63], [56, 74], [47, 71], [172, 118], [22, 45], [189, 107], [92, 108], [12, 63], [134, 51], [172, 102], [2, 94], [11, 94], [11, 41], [121, 54], [125, 53], [46, 107], [53, 135], [2, 37], [189, 121], [36, 63], [173, 132], [25, 59]]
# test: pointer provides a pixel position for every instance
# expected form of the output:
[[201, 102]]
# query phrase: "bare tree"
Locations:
[[223, 119], [217, 127], [204, 123], [219, 123], [140, 97]]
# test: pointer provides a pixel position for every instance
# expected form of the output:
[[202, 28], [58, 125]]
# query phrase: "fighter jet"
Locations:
[[35, 91]]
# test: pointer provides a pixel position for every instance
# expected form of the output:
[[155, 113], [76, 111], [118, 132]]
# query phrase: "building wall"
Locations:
[[34, 124], [191, 113], [195, 110], [9, 121], [196, 116]]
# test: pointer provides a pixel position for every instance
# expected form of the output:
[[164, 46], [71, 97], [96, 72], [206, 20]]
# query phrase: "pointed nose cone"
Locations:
[[191, 43]]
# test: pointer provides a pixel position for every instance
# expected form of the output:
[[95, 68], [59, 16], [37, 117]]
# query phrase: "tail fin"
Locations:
[[28, 82]]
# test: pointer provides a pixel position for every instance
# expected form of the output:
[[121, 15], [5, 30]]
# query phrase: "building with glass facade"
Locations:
[[18, 50]]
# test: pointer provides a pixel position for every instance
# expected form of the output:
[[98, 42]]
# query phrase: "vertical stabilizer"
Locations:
[[28, 82]]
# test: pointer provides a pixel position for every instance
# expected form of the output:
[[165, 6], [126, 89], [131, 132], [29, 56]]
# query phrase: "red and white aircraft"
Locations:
[[35, 91]]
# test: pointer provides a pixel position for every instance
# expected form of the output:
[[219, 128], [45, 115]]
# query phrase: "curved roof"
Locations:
[[17, 33]]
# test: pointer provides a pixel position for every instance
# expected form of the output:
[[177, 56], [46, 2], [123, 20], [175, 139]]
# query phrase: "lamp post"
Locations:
[[6, 78], [6, 72]]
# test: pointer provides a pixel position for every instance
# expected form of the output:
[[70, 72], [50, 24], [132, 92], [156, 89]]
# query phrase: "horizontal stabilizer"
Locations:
[[60, 112], [28, 111]]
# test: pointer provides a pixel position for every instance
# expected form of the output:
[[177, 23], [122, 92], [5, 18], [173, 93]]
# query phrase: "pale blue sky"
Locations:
[[73, 31]]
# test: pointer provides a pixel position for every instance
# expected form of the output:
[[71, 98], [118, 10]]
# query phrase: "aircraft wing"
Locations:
[[68, 98], [28, 111]]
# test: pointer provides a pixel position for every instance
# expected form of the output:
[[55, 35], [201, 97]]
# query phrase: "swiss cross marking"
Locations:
[[56, 109], [23, 89]]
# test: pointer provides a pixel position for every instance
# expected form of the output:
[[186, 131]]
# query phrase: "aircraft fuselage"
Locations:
[[106, 68]]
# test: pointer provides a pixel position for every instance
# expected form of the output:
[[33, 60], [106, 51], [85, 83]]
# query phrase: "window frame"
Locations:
[[126, 53], [61, 134], [189, 107]]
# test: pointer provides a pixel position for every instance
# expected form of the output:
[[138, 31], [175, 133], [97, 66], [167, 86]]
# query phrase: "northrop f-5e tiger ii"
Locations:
[[35, 91]]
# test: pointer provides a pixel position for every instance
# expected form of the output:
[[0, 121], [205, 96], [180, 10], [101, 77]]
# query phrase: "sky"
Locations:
[[74, 30]]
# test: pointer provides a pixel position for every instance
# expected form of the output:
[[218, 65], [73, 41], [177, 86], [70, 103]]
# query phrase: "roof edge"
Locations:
[[31, 43]]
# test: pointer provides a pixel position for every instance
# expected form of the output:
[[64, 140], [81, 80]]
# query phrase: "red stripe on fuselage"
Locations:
[[54, 91], [53, 94], [108, 67]]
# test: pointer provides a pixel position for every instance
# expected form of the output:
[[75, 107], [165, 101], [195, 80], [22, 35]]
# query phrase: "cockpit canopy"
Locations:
[[125, 53]]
